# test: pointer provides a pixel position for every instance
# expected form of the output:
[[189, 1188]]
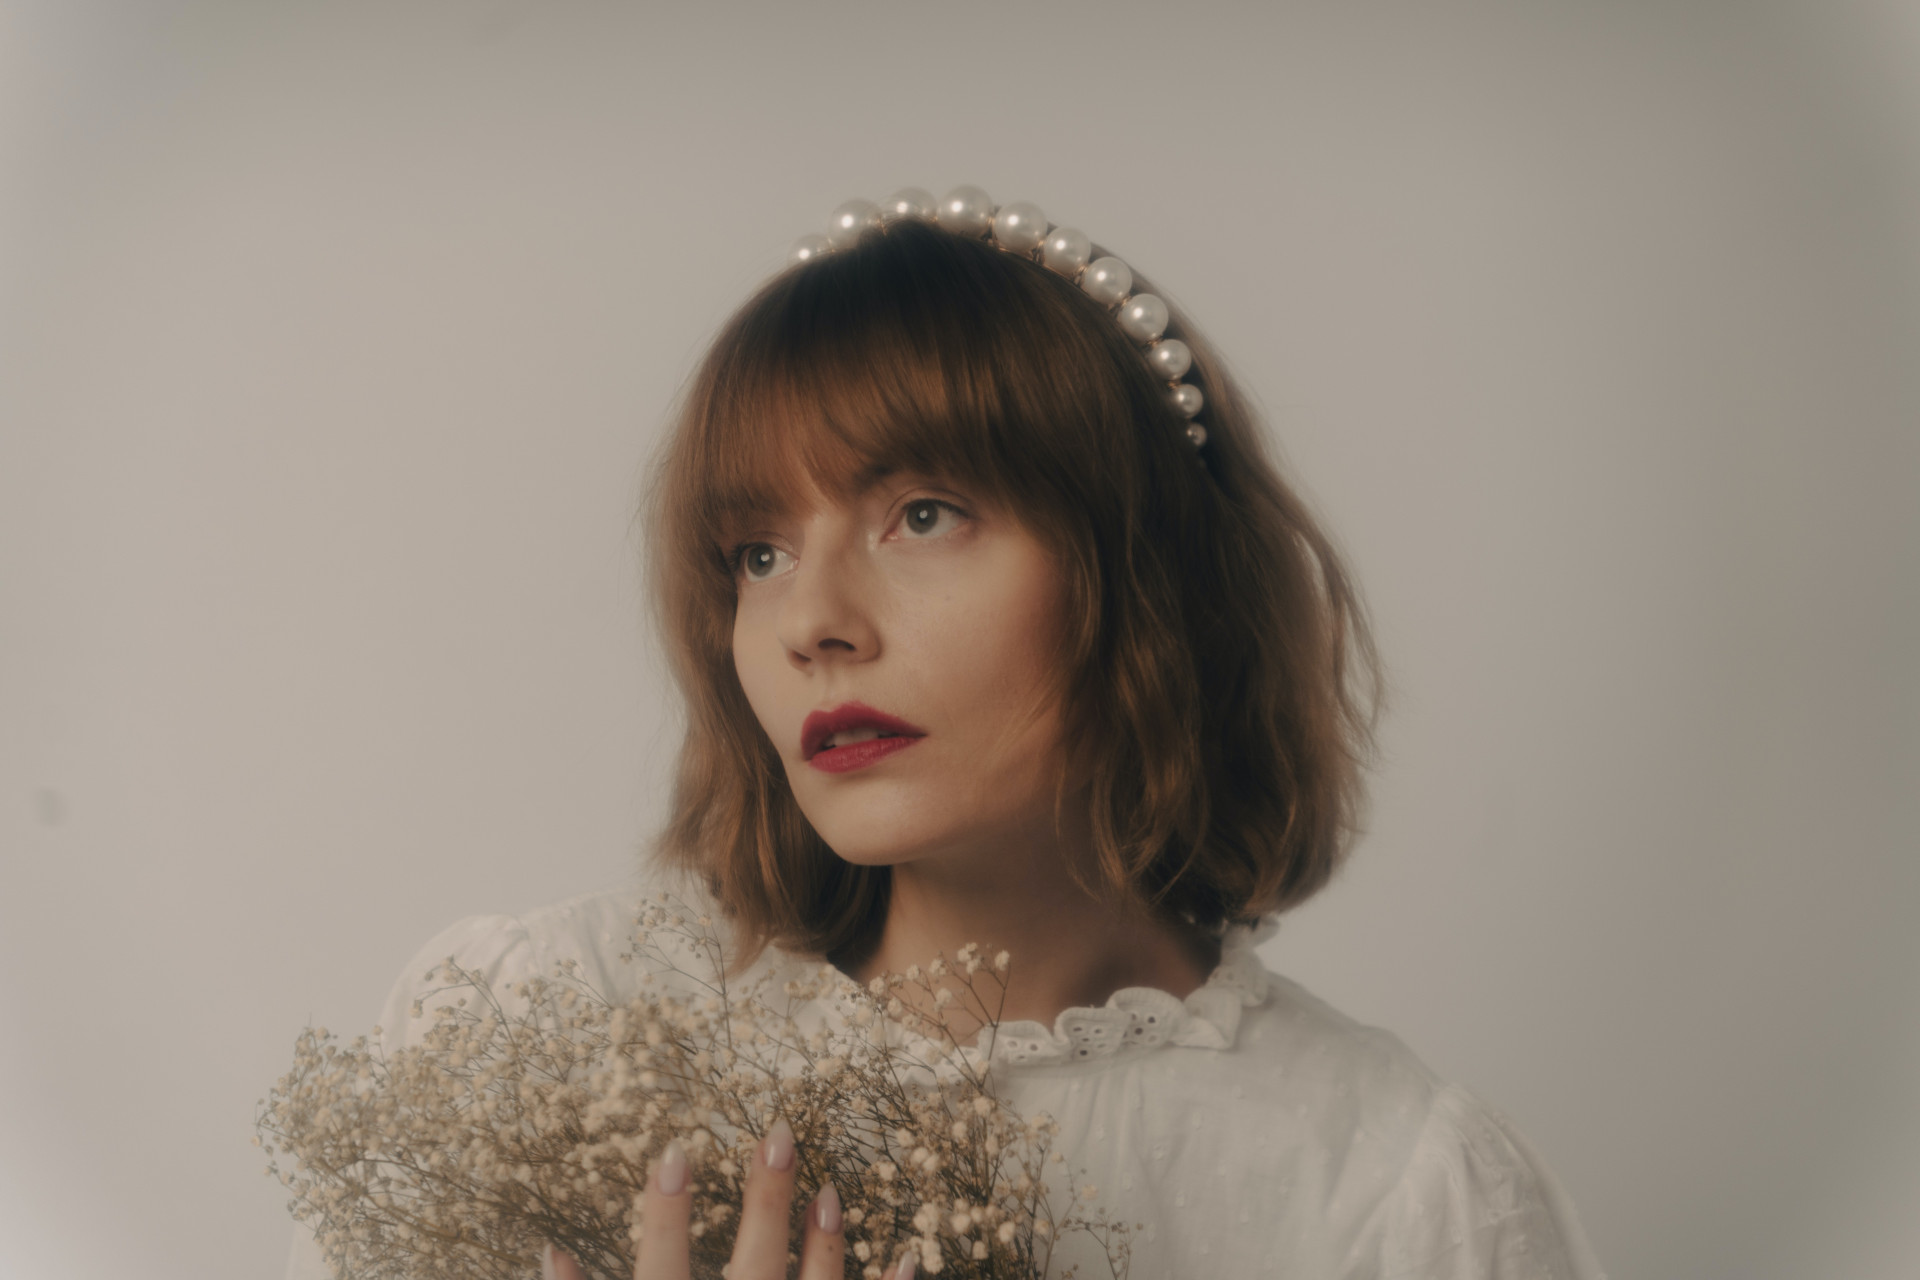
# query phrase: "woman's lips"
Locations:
[[821, 727], [858, 755]]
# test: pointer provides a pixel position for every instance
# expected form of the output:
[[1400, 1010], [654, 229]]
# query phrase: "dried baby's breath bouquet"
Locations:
[[534, 1115]]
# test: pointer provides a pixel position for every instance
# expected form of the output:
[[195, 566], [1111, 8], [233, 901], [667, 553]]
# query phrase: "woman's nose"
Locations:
[[827, 611]]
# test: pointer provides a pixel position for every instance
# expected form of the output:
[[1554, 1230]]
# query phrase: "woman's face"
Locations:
[[924, 604]]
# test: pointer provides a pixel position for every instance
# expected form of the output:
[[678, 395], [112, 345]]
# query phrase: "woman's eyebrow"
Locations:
[[745, 509], [744, 513], [736, 523], [870, 476]]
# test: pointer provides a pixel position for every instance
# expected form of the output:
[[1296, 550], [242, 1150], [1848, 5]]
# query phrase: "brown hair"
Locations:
[[1218, 666]]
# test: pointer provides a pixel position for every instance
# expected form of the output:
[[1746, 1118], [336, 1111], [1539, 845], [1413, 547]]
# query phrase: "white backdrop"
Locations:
[[334, 339]]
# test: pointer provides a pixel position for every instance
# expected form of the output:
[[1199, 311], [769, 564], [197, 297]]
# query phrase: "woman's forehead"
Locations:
[[776, 453], [801, 492]]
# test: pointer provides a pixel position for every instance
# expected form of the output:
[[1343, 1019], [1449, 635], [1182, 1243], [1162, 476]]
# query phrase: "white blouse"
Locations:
[[1255, 1130]]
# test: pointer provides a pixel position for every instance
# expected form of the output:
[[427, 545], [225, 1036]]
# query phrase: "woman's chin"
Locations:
[[869, 857], [872, 837], [875, 842], [908, 820]]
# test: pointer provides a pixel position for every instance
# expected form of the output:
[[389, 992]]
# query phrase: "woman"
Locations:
[[997, 625]]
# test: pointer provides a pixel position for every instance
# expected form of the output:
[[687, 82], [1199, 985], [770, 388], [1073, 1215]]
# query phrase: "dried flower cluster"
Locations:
[[534, 1115]]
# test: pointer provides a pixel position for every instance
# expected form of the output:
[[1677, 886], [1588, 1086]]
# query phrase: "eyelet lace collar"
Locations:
[[1139, 1019], [1135, 1019]]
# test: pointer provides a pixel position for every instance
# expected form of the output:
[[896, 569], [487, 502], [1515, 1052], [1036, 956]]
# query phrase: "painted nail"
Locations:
[[826, 1208], [906, 1269], [670, 1175], [778, 1146], [546, 1263]]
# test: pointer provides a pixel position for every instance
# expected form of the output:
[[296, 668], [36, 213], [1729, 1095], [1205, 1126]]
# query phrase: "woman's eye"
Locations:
[[758, 561], [930, 516]]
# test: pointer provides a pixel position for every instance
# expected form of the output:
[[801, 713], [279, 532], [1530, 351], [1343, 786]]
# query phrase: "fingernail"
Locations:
[[547, 1271], [670, 1174], [778, 1147], [906, 1269], [826, 1209]]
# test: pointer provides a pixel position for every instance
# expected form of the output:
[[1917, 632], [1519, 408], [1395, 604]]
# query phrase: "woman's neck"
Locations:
[[1067, 948]]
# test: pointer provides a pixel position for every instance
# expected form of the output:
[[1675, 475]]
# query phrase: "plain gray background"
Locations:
[[334, 339]]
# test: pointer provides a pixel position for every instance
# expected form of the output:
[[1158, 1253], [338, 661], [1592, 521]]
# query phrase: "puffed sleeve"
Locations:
[[498, 948], [1476, 1203]]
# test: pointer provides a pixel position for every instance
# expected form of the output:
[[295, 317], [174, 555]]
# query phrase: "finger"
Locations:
[[760, 1250], [557, 1265], [664, 1207], [823, 1253], [905, 1270]]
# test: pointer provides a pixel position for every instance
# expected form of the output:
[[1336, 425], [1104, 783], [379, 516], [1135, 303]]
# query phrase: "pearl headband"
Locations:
[[1021, 228]]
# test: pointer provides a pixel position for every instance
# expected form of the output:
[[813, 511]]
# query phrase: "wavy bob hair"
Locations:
[[1217, 664]]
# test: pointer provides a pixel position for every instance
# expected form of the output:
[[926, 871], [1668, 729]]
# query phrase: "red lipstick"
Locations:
[[865, 725]]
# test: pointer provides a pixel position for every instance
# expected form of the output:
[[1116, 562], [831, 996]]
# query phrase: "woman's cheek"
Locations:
[[752, 666]]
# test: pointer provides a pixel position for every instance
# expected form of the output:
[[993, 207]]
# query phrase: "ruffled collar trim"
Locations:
[[1138, 1020], [1134, 1020]]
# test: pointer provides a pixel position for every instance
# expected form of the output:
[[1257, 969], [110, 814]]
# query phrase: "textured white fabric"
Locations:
[[1254, 1129]]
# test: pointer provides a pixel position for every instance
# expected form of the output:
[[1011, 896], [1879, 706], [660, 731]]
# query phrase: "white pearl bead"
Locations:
[[1144, 317], [909, 204], [1107, 280], [1020, 227], [807, 248], [1170, 358], [1066, 251], [966, 211], [1186, 399], [851, 221], [1196, 434]]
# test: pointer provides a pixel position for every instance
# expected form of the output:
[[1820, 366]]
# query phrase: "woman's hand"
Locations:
[[760, 1249]]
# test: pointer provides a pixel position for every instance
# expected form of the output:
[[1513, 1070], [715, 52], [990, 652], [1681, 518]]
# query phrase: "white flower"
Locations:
[[556, 1093]]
